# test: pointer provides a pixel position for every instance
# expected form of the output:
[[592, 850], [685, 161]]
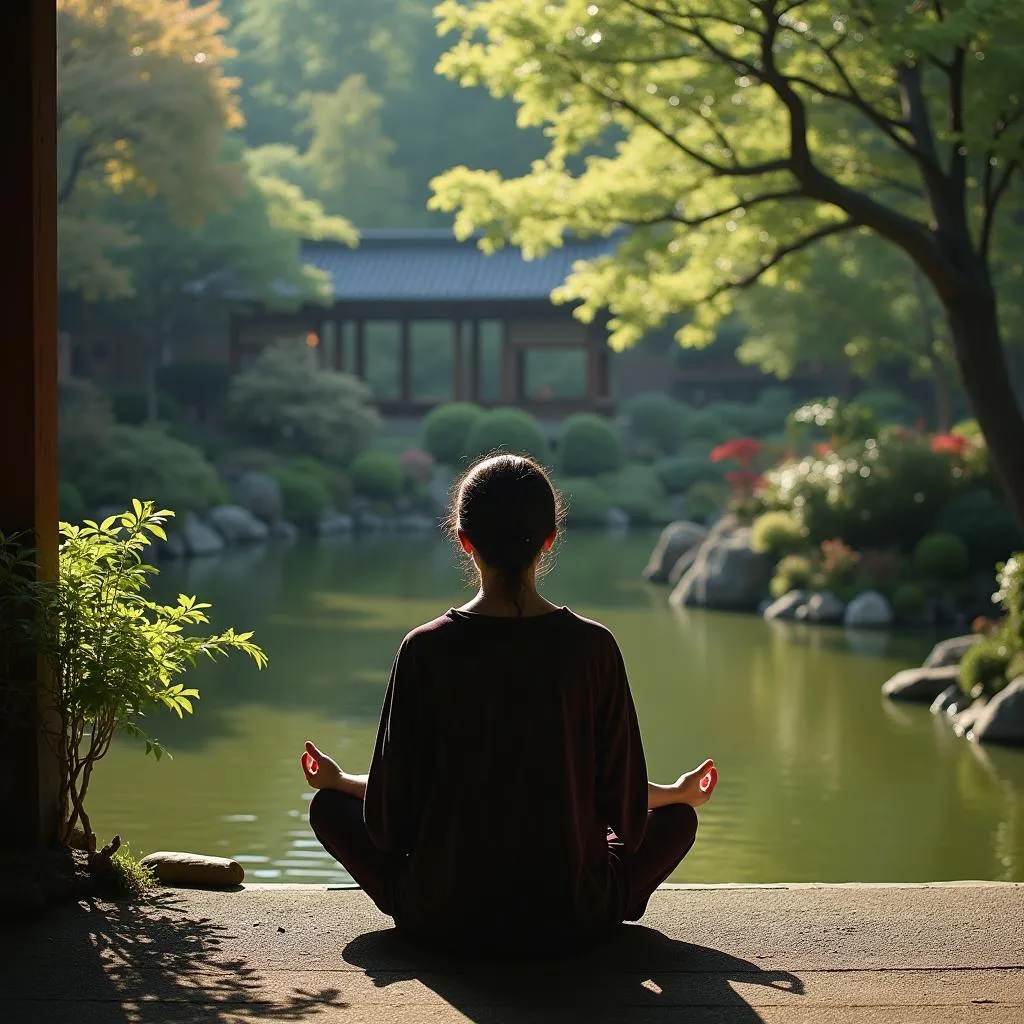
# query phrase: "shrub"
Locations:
[[908, 599], [114, 654], [590, 446], [838, 564], [638, 492], [777, 534], [942, 557], [305, 496], [679, 473], [587, 504], [983, 669], [130, 405], [510, 430], [983, 521], [146, 460], [377, 475], [794, 572], [704, 501], [73, 508], [335, 480], [707, 425], [417, 465], [880, 569], [842, 422], [84, 426], [889, 406], [446, 430], [287, 403], [658, 420], [199, 384]]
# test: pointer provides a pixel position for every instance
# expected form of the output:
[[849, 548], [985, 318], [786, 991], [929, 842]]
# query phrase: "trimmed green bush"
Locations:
[[704, 501], [146, 461], [942, 557], [337, 481], [707, 425], [73, 508], [590, 446], [983, 521], [984, 668], [678, 473], [638, 492], [777, 534], [131, 405], [377, 475], [304, 495], [446, 430], [656, 419], [908, 600], [794, 572], [509, 430], [587, 504]]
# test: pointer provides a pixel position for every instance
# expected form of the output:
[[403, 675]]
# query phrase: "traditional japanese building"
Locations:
[[424, 318]]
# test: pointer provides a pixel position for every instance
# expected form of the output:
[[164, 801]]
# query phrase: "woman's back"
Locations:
[[507, 748]]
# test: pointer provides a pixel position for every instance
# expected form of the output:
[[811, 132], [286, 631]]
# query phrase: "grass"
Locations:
[[128, 878]]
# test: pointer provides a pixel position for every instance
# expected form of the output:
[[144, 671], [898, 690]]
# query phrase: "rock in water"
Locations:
[[260, 494], [922, 685], [948, 698], [727, 574], [951, 652], [237, 525], [194, 869], [675, 541], [1002, 719], [333, 523], [869, 610], [618, 519], [682, 566], [199, 538], [786, 607], [825, 609]]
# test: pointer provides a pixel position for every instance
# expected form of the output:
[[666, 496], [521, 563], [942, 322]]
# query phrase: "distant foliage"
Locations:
[[838, 565], [587, 503], [377, 475], [417, 465], [305, 494], [287, 403], [794, 572], [657, 420], [908, 600], [638, 492], [446, 430], [983, 521], [678, 473], [942, 557], [590, 446], [777, 534], [890, 407], [509, 430], [73, 508], [987, 667], [841, 422], [201, 385]]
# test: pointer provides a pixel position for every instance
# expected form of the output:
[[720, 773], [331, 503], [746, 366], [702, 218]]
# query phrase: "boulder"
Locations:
[[825, 609], [194, 869], [948, 698], [373, 522], [675, 541], [682, 566], [284, 530], [786, 607], [951, 652], [921, 685], [964, 721], [260, 494], [199, 537], [1002, 719], [617, 519], [727, 574], [333, 523], [237, 525], [869, 610], [415, 522]]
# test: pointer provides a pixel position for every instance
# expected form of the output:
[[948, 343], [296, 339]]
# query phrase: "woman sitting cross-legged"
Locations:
[[507, 803]]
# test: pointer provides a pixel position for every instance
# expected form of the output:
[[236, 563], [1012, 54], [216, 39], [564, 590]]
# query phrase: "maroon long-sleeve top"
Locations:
[[507, 747]]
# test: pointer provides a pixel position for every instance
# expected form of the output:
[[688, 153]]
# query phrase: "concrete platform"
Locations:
[[711, 955]]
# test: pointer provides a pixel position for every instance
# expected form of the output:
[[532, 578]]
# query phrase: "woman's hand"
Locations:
[[695, 788], [321, 771]]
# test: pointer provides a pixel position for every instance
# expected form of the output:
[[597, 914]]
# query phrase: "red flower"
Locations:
[[950, 444], [740, 449], [823, 449], [744, 482]]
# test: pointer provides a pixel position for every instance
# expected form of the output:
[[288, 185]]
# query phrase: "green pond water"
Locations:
[[821, 780]]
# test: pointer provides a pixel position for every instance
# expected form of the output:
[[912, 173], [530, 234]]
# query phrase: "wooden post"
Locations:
[[457, 359], [404, 364], [360, 366], [29, 776], [509, 383], [474, 361]]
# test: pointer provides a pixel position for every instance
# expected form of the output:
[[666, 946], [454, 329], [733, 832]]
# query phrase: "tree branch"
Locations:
[[957, 157], [993, 192], [78, 162], [696, 222]]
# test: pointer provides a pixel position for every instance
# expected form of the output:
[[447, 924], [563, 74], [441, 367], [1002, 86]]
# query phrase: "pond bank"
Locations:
[[862, 953]]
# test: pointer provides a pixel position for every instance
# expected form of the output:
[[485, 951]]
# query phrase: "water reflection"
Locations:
[[822, 780]]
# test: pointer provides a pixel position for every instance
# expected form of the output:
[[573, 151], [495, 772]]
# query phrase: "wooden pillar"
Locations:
[[509, 382], [360, 367], [474, 362], [457, 326], [404, 364], [28, 412]]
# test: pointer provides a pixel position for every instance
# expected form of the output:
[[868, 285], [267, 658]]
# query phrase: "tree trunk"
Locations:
[[943, 400], [974, 328]]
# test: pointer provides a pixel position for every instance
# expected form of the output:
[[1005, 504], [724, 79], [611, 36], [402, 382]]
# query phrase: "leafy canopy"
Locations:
[[731, 137]]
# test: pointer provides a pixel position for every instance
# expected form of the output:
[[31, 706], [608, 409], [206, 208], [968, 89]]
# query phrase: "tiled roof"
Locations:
[[425, 265]]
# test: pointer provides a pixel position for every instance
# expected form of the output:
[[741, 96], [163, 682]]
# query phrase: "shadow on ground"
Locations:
[[119, 962], [639, 975]]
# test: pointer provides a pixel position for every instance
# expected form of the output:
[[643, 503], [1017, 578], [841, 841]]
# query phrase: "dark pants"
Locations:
[[337, 821]]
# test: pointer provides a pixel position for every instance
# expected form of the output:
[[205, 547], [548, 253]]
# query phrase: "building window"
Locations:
[[492, 338], [552, 373], [382, 343], [431, 351]]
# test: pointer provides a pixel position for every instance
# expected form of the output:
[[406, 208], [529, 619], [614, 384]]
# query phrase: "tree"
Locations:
[[143, 105], [748, 131]]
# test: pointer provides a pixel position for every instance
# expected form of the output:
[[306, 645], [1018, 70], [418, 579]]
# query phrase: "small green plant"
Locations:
[[984, 667], [446, 430], [304, 494], [590, 446], [777, 534], [377, 475], [794, 572], [942, 557], [114, 653], [128, 876], [908, 600], [678, 473], [637, 490]]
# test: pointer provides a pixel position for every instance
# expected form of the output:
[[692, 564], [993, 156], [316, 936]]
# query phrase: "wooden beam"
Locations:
[[474, 362], [404, 363], [28, 412]]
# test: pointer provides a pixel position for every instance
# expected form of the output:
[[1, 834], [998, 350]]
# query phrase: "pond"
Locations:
[[821, 780]]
